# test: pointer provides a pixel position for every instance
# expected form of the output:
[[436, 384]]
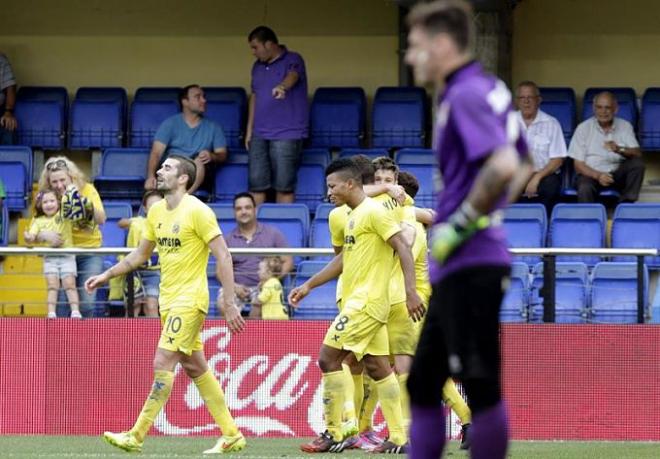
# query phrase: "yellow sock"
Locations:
[[369, 402], [210, 390], [453, 400], [405, 399], [349, 395], [160, 392], [389, 397], [333, 402], [358, 391]]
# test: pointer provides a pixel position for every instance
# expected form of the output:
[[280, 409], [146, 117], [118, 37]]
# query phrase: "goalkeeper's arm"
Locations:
[[502, 170]]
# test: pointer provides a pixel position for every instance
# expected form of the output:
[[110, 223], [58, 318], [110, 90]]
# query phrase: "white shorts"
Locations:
[[60, 265]]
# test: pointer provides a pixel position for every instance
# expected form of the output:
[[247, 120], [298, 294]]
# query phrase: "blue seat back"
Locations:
[[423, 166], [571, 293], [224, 213], [21, 154], [399, 117], [40, 124], [227, 106], [625, 96], [526, 227], [614, 292], [146, 117], [14, 178], [337, 117], [515, 302], [637, 226], [57, 94], [291, 219], [4, 226], [371, 153], [319, 232], [321, 303], [113, 235], [310, 187], [157, 94], [124, 162], [231, 177], [560, 103], [96, 124], [578, 226]]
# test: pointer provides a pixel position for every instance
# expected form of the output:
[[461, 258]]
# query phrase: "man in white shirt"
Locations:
[[546, 145], [606, 154]]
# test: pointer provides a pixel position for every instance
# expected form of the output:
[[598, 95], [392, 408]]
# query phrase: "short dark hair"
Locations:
[[385, 163], [345, 166], [529, 84], [149, 194], [244, 194], [186, 166], [453, 17], [263, 34], [183, 93], [363, 163], [409, 183]]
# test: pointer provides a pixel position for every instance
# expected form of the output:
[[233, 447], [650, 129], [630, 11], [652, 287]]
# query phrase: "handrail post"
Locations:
[[640, 289], [548, 290]]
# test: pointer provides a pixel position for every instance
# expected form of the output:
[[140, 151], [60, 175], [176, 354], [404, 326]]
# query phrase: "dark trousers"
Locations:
[[548, 194], [628, 179]]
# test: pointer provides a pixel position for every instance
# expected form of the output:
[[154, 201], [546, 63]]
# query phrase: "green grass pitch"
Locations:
[[175, 447]]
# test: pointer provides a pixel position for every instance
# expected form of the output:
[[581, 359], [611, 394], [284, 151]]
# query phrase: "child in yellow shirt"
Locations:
[[270, 297], [56, 267]]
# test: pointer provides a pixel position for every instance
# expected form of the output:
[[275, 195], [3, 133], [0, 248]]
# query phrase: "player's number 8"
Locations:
[[341, 324], [173, 324]]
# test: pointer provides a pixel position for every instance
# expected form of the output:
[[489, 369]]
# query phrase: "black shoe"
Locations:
[[387, 447], [465, 436]]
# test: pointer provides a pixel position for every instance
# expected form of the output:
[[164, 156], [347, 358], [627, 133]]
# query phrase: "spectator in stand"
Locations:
[[189, 134], [547, 147], [606, 154], [82, 205], [277, 117], [269, 304], [249, 233], [7, 102], [3, 195]]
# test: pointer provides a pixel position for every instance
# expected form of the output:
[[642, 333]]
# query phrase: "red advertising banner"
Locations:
[[65, 377]]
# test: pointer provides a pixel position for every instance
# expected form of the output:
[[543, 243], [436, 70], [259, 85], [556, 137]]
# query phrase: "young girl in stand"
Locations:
[[270, 295], [56, 267]]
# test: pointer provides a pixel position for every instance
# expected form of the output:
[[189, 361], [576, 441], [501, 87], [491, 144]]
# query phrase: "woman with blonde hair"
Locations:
[[82, 205]]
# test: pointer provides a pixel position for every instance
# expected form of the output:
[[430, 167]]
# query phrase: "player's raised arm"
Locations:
[[224, 271], [413, 301], [132, 261], [330, 271]]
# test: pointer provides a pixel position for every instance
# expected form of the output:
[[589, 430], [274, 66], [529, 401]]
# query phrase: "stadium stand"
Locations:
[[649, 123], [516, 300], [16, 182], [291, 219], [41, 113], [146, 117], [310, 187], [157, 94], [399, 117], [337, 117], [560, 103], [96, 124], [319, 233], [122, 173], [421, 165], [4, 226], [614, 292], [568, 189], [526, 227], [113, 235], [231, 177], [625, 96], [227, 106], [571, 293], [637, 226], [224, 213], [115, 95], [578, 226], [372, 153], [320, 304]]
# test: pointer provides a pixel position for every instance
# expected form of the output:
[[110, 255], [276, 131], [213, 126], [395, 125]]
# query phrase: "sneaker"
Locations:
[[51, 315], [387, 447], [228, 444], [352, 442], [123, 440], [465, 436], [324, 443], [76, 315], [368, 440], [349, 428]]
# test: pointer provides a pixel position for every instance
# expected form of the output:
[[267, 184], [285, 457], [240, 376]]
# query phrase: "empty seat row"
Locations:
[[606, 295], [584, 226], [99, 117]]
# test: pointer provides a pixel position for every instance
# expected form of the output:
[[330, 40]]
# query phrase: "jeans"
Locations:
[[87, 265], [273, 164]]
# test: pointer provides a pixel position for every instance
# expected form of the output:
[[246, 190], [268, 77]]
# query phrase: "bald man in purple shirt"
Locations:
[[483, 162]]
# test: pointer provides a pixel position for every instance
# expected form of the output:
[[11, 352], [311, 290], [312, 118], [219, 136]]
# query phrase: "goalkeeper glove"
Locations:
[[460, 227]]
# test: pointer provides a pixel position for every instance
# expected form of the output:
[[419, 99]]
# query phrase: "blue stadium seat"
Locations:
[[57, 94], [224, 213], [399, 117], [41, 124], [21, 154], [96, 124], [227, 106], [578, 226], [310, 187], [321, 303], [122, 173], [291, 219], [157, 94], [423, 166], [568, 189], [337, 117], [14, 177], [515, 302], [626, 98], [103, 94], [146, 117], [4, 226], [372, 153], [113, 235], [319, 232], [614, 292], [526, 227], [560, 103], [571, 293], [649, 123], [637, 226], [231, 177]]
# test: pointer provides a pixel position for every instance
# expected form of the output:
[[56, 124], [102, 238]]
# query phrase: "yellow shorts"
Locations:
[[182, 330], [402, 331], [356, 331]]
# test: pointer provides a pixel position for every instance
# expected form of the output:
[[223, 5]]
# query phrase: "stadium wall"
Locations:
[[65, 377]]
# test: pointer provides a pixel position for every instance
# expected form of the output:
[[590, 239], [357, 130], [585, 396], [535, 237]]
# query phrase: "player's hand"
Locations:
[[447, 237], [297, 294], [416, 309], [232, 315], [150, 183], [95, 282], [204, 157], [397, 192], [279, 92]]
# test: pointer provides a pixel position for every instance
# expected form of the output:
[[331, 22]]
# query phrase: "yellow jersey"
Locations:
[[182, 236], [368, 259], [56, 224], [420, 255], [270, 296], [336, 222], [85, 236]]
